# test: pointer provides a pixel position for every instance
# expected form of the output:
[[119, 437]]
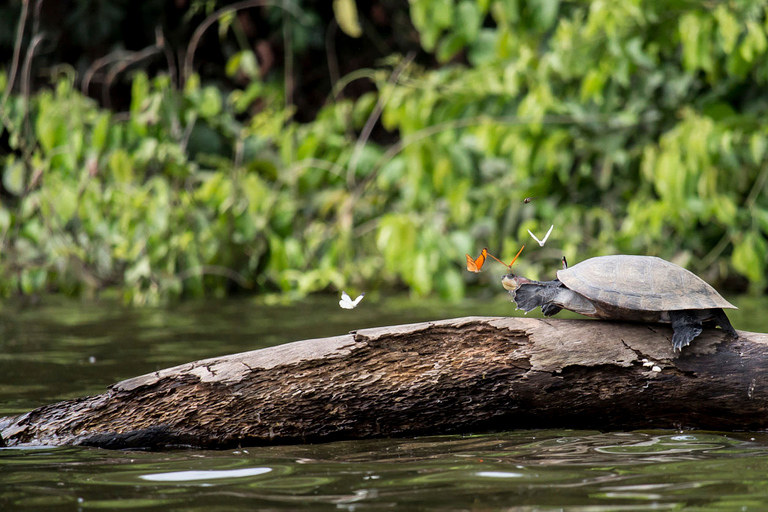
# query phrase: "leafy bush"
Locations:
[[637, 127]]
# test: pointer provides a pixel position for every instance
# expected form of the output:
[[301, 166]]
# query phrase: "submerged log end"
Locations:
[[475, 373]]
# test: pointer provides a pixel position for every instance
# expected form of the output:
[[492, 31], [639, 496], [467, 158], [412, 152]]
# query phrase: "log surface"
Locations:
[[460, 375]]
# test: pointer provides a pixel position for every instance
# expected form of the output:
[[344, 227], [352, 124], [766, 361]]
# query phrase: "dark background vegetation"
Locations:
[[162, 149]]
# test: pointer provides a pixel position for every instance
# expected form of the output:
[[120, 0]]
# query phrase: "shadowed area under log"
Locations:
[[460, 375]]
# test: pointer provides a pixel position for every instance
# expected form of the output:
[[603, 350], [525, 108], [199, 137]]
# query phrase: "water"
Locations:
[[61, 350]]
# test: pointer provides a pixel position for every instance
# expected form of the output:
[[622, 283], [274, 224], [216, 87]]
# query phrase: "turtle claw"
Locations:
[[685, 326], [550, 309], [684, 338]]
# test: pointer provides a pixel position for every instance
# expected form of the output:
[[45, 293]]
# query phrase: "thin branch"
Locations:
[[330, 52], [239, 147], [199, 31], [16, 51], [758, 186], [98, 64], [325, 165], [26, 72], [288, 58], [162, 43], [36, 16], [372, 119], [712, 255], [339, 86], [119, 68], [188, 132]]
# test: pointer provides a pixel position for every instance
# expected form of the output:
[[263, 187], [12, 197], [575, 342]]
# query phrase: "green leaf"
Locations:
[[210, 103], [468, 21], [100, 132], [63, 201], [345, 12], [449, 46], [5, 220], [442, 13], [760, 215], [244, 62], [749, 257], [544, 13], [484, 50], [225, 21], [242, 99], [729, 28], [757, 147], [592, 86], [14, 176], [121, 165], [139, 92]]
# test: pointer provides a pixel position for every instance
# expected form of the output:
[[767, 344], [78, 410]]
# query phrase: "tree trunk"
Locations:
[[466, 374]]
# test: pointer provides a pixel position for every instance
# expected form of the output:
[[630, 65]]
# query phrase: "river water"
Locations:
[[58, 349]]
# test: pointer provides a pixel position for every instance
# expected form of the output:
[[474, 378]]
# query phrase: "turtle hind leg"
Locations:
[[721, 319], [530, 296], [685, 327]]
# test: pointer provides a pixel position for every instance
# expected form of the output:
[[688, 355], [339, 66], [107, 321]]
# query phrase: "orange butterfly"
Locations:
[[477, 264]]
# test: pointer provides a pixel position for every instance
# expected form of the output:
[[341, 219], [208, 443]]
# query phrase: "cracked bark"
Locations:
[[467, 374]]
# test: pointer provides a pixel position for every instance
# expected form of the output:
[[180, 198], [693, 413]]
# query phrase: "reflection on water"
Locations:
[[67, 350], [535, 470]]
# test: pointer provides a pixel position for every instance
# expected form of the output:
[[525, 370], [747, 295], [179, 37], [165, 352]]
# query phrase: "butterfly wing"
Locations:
[[477, 264], [480, 261], [345, 301], [534, 237], [471, 266], [547, 235], [516, 255]]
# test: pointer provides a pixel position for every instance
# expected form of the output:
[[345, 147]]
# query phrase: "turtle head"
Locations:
[[511, 282]]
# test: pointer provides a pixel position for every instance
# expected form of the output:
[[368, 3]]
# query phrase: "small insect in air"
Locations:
[[565, 263], [529, 199], [347, 303], [475, 265], [544, 240]]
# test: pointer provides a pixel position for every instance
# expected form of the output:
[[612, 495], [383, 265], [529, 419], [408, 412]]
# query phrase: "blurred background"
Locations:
[[158, 150]]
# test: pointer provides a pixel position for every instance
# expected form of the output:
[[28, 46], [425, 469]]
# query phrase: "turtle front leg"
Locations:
[[685, 326], [553, 297], [531, 296]]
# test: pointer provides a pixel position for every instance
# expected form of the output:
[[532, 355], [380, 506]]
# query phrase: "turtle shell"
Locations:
[[641, 283]]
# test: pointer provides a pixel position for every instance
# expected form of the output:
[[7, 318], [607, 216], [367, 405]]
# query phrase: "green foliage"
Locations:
[[122, 202], [638, 127]]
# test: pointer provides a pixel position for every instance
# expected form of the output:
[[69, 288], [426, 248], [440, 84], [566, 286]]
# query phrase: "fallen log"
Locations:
[[460, 375]]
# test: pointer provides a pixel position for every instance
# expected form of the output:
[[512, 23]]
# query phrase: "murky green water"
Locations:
[[62, 350]]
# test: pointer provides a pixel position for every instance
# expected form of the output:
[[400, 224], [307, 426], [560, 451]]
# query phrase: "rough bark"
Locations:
[[466, 374]]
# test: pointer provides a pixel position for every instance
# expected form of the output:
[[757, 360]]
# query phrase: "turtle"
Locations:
[[630, 288]]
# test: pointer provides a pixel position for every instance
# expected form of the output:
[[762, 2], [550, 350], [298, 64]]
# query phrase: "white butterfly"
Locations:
[[348, 303], [542, 242]]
